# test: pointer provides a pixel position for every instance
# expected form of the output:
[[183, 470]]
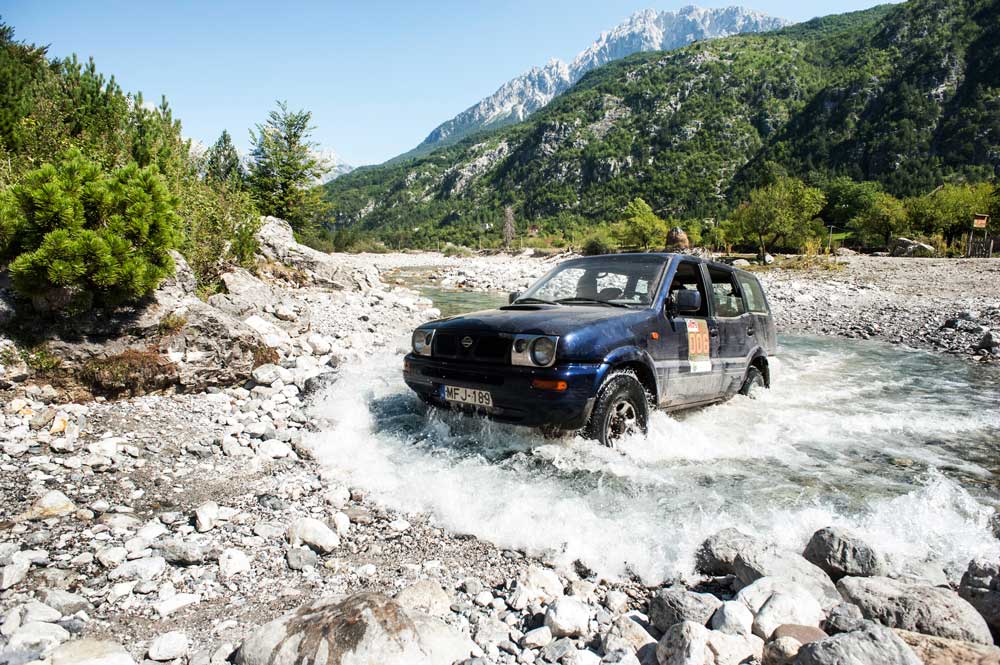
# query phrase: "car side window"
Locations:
[[688, 276], [725, 293], [753, 294]]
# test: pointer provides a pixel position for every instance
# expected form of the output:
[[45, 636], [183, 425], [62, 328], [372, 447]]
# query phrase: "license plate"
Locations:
[[468, 396]]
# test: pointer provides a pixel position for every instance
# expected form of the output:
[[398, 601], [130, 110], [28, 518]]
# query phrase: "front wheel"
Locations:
[[753, 383], [621, 410]]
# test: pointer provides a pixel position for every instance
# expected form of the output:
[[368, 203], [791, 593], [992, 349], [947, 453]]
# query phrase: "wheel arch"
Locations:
[[761, 363], [637, 361]]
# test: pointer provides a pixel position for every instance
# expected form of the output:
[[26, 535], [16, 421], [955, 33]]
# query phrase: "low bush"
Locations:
[[77, 236], [134, 371]]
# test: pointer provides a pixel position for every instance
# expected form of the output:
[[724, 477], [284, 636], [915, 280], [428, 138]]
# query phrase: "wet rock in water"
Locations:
[[981, 588], [840, 554], [364, 628], [689, 643], [733, 618], [942, 651], [717, 554], [91, 652], [870, 643], [313, 533], [567, 617], [425, 596], [674, 605], [922, 609]]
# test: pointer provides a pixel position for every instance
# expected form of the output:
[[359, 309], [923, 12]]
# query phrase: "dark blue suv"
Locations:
[[597, 341]]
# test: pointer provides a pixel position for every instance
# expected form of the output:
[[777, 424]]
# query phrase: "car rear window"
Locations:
[[752, 294]]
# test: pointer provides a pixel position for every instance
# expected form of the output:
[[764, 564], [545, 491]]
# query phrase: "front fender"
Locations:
[[631, 355]]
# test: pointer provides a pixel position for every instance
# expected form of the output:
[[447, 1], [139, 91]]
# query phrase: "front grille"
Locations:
[[484, 348], [466, 376]]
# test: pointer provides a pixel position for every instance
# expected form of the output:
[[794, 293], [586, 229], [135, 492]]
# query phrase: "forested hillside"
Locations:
[[906, 96]]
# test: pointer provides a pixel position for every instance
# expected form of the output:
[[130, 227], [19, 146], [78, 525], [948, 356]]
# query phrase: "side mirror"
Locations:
[[687, 301], [514, 295]]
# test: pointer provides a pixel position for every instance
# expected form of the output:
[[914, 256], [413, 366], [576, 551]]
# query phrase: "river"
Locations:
[[899, 446]]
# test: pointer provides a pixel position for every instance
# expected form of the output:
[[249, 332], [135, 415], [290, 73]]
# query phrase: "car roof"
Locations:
[[665, 255]]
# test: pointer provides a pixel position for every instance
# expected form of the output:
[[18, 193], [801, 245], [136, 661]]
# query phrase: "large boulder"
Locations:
[[90, 652], [277, 242], [689, 643], [244, 294], [869, 644], [840, 554], [675, 604], [981, 587], [922, 609], [910, 248], [363, 628], [756, 560]]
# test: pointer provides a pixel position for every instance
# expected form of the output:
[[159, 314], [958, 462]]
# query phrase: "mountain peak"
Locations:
[[645, 30]]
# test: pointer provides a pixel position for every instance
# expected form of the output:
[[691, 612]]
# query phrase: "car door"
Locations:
[[735, 327], [760, 313], [687, 349]]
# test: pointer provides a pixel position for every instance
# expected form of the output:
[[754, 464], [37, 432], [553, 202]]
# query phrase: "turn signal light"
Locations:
[[549, 384]]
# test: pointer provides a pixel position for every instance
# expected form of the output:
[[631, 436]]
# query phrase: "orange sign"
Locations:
[[699, 346], [979, 221]]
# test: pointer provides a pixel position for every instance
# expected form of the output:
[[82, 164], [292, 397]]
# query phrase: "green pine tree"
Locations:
[[222, 162], [285, 169]]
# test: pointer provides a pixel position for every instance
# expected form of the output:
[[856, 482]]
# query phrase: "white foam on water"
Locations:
[[849, 436]]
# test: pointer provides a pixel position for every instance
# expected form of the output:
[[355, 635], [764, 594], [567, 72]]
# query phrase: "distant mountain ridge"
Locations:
[[646, 30]]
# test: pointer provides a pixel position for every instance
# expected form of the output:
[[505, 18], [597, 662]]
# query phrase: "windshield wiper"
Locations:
[[521, 301], [591, 300]]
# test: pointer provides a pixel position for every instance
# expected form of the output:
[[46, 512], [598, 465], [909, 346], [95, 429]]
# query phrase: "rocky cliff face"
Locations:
[[647, 30]]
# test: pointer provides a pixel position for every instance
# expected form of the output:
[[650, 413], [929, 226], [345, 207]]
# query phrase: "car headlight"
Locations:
[[543, 351], [422, 340]]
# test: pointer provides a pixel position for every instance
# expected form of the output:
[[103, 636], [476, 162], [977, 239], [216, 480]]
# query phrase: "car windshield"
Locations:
[[607, 280]]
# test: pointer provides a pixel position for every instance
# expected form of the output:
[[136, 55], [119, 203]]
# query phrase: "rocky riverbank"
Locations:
[[193, 526]]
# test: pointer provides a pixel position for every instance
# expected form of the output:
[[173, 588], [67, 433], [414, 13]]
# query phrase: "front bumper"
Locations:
[[515, 401]]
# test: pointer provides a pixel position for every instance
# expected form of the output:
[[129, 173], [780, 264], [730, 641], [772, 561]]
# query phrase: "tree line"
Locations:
[[97, 185]]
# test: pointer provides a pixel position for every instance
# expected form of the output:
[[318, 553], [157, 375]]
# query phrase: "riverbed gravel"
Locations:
[[175, 525]]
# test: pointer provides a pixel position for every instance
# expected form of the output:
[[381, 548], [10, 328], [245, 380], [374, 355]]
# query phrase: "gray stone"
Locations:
[[313, 533], [91, 652], [232, 562], [980, 586], [627, 633], [733, 618], [145, 570], [184, 552], [843, 618], [169, 646], [65, 602], [755, 561], [567, 617], [786, 607], [717, 553], [840, 554], [14, 573], [537, 638], [921, 609], [300, 558], [689, 643], [364, 628], [676, 604], [425, 596], [870, 643], [205, 516]]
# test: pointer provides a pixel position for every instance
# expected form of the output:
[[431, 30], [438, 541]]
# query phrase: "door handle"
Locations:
[[749, 331], [714, 332]]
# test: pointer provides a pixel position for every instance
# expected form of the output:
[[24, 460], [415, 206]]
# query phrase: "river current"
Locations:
[[900, 446]]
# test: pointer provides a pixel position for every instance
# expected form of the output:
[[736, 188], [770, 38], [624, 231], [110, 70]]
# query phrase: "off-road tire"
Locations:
[[753, 382], [621, 408]]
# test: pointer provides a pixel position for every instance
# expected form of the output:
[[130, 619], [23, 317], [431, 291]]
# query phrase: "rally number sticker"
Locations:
[[699, 355]]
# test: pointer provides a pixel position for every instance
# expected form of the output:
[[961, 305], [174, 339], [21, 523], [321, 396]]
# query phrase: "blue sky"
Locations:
[[377, 75]]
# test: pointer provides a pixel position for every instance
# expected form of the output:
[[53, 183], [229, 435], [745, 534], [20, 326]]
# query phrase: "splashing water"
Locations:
[[898, 446]]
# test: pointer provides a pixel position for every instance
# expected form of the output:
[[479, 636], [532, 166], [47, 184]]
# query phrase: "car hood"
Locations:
[[536, 319]]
